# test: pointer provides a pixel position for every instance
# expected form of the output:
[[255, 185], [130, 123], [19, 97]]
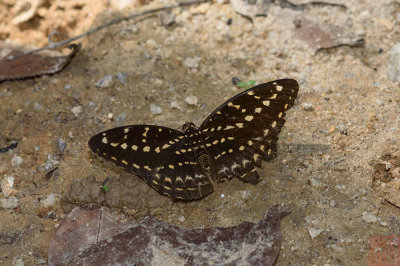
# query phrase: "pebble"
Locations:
[[369, 217], [151, 43], [61, 144], [37, 106], [191, 62], [155, 110], [7, 184], [67, 87], [175, 105], [104, 82], [76, 110], [181, 219], [51, 162], [394, 63], [120, 118], [110, 115], [316, 183], [16, 160], [167, 18], [342, 129], [49, 201], [121, 77], [307, 107], [18, 261], [245, 194], [314, 232], [191, 100], [10, 203]]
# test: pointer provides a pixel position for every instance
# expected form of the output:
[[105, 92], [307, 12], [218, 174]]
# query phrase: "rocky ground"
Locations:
[[338, 164]]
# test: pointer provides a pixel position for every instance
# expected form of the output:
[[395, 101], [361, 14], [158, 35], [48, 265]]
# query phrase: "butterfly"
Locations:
[[231, 142]]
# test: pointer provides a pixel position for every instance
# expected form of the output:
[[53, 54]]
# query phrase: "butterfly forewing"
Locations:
[[244, 130]]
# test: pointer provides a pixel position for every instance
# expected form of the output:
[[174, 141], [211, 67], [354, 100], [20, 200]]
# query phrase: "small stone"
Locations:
[[181, 219], [10, 203], [16, 160], [6, 185], [76, 110], [167, 18], [332, 203], [18, 261], [235, 80], [51, 162], [191, 100], [37, 106], [342, 129], [61, 144], [120, 118], [67, 87], [396, 172], [245, 194], [121, 77], [175, 105], [110, 115], [316, 183], [104, 82], [386, 23], [155, 110], [191, 62], [314, 232], [332, 129], [369, 217], [151, 43], [307, 107], [49, 201], [394, 63]]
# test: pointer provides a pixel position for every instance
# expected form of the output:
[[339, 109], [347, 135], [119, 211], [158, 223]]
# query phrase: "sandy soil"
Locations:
[[338, 151]]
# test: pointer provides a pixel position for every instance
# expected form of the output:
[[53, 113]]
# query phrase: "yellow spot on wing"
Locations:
[[104, 140], [124, 146], [249, 118], [273, 96], [157, 149], [146, 148], [136, 166], [171, 166], [165, 146], [124, 162], [241, 148], [258, 110], [239, 125], [273, 124], [134, 147], [114, 144]]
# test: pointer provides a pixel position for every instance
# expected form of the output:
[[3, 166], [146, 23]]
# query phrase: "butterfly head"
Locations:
[[189, 126]]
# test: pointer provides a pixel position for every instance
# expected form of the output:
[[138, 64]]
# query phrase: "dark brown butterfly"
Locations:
[[230, 142]]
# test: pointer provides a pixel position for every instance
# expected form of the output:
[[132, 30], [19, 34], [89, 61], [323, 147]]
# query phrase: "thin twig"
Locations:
[[53, 45]]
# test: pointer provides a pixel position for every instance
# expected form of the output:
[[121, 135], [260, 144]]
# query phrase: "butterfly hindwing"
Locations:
[[155, 154]]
